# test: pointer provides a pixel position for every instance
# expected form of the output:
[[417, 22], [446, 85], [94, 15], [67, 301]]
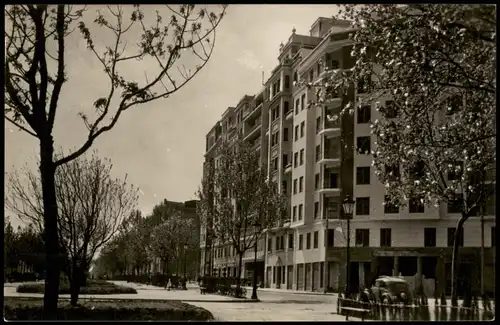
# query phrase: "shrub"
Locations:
[[94, 287], [16, 308]]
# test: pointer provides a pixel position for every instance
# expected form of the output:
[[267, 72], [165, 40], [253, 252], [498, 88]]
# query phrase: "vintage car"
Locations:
[[391, 290]]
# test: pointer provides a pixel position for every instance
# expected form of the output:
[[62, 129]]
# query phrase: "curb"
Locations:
[[311, 293], [146, 300]]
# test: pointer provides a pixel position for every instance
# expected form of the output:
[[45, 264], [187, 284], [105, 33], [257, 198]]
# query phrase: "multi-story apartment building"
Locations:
[[318, 158]]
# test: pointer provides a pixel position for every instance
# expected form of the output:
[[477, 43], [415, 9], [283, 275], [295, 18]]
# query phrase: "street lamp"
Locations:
[[348, 207], [254, 289]]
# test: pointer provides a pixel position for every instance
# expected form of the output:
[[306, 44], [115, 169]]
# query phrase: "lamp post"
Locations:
[[348, 207], [254, 289]]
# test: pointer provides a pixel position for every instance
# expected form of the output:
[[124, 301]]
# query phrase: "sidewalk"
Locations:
[[143, 293], [288, 291]]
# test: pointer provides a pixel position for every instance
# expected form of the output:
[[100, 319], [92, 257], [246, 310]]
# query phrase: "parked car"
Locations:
[[391, 290]]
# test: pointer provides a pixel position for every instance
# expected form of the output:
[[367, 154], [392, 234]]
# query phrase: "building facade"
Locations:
[[318, 158]]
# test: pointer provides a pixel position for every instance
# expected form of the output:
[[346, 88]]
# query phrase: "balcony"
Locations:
[[330, 128], [330, 188], [288, 168], [289, 114], [253, 114], [256, 144], [251, 130], [331, 157]]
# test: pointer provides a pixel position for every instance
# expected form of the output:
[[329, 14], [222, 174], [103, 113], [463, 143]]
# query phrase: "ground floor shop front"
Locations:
[[424, 268]]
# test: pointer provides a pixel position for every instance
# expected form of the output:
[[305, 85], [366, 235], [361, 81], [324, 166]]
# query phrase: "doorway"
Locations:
[[354, 277]]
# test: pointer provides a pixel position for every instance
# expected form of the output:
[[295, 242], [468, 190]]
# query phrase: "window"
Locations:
[[270, 244], [302, 129], [318, 152], [364, 114], [316, 181], [493, 236], [275, 163], [295, 77], [284, 186], [296, 132], [301, 157], [318, 124], [451, 237], [363, 237], [296, 159], [363, 175], [331, 237], [278, 242], [295, 186], [285, 134], [455, 171], [385, 237], [389, 111], [363, 145], [455, 206], [301, 184], [364, 84], [318, 68], [417, 171], [301, 208], [297, 105], [393, 171], [286, 108], [390, 207], [429, 237], [282, 240], [287, 82], [311, 75], [308, 241], [302, 102], [290, 241], [316, 210], [294, 213], [362, 206], [315, 239], [301, 242], [416, 205]]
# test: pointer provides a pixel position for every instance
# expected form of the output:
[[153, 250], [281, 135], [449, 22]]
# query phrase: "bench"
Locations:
[[362, 311]]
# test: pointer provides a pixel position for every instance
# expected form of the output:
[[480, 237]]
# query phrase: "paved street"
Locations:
[[274, 305]]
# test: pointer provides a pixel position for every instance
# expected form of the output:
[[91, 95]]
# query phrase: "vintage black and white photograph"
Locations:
[[250, 162]]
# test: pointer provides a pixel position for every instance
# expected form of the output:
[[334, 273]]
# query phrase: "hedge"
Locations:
[[94, 287], [16, 308]]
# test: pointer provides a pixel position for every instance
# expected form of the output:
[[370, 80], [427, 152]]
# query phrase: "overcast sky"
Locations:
[[160, 145]]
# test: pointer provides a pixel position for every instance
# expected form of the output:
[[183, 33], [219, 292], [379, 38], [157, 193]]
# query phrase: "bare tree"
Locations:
[[35, 72], [92, 206], [237, 201]]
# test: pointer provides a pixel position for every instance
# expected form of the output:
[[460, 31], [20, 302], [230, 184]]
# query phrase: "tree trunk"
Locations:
[[52, 260], [455, 262], [240, 262], [75, 282]]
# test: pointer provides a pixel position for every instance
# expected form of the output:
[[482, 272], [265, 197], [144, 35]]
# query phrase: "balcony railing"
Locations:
[[331, 154], [327, 184], [253, 127]]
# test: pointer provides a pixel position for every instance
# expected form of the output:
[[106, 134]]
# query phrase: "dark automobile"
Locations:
[[391, 290]]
